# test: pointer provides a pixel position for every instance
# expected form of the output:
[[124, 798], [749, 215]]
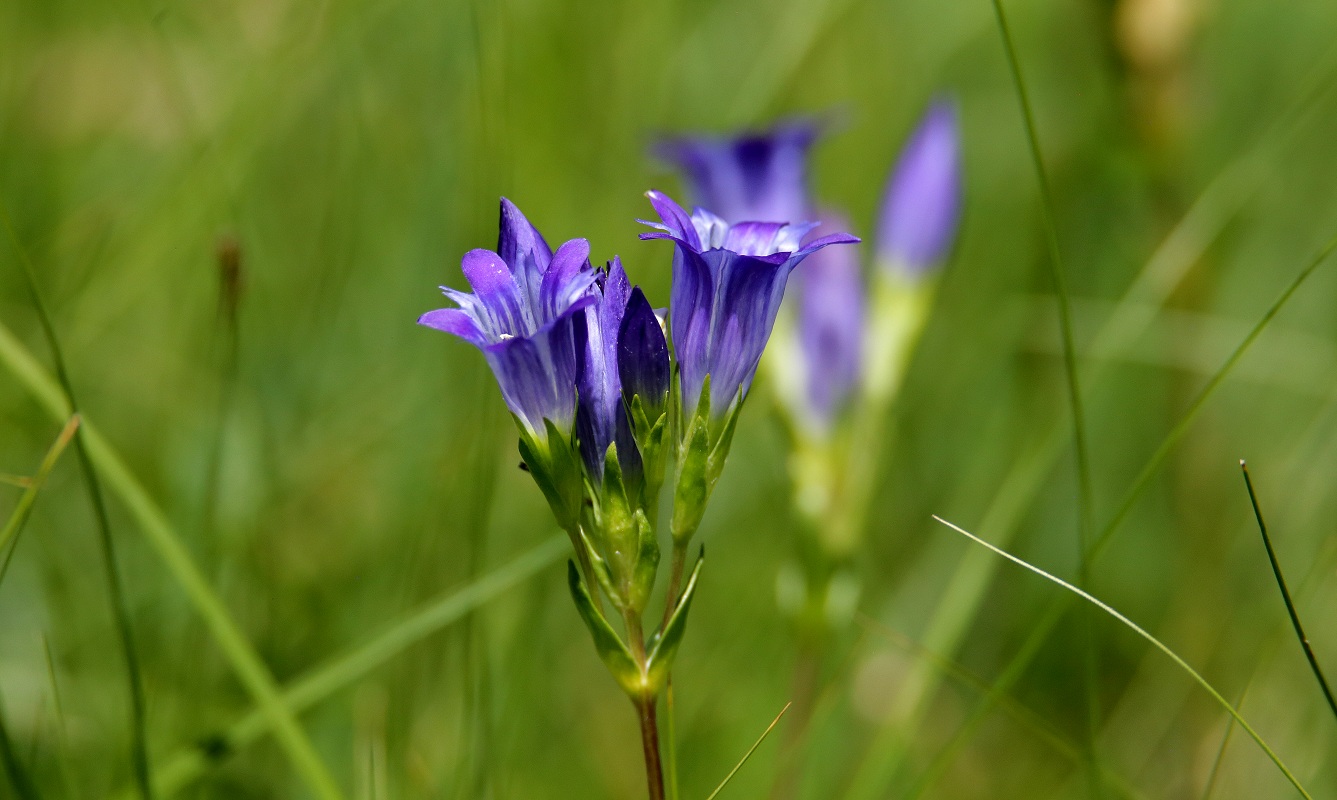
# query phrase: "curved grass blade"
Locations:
[[1037, 725], [1286, 594], [26, 500], [139, 752], [1133, 626], [1220, 757], [162, 537], [749, 753], [340, 672]]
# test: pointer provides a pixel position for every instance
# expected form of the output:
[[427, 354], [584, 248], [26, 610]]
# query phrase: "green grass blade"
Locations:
[[1286, 594], [162, 537], [1030, 720], [1082, 454], [139, 752], [749, 753], [1220, 757], [29, 497], [24, 789], [1133, 626], [341, 672]]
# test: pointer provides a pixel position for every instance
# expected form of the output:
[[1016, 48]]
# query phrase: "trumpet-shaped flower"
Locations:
[[728, 281], [526, 314], [922, 204], [754, 177]]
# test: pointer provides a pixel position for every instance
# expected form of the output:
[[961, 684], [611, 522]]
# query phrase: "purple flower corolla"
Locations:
[[728, 281], [757, 176], [525, 314], [922, 204], [830, 323]]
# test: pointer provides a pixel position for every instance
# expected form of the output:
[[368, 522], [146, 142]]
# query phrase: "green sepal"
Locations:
[[664, 646], [693, 486], [601, 571], [647, 563], [720, 452], [556, 468], [614, 653], [617, 528], [650, 437]]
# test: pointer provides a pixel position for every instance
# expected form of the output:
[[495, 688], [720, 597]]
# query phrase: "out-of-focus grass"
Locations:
[[360, 465]]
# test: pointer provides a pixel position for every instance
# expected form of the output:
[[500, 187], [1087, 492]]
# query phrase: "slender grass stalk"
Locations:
[[62, 730], [23, 508], [749, 752], [340, 672], [1220, 757], [1169, 264], [1286, 594], [139, 751], [670, 742], [1172, 655], [1035, 724], [163, 538], [966, 589], [1090, 669], [24, 788]]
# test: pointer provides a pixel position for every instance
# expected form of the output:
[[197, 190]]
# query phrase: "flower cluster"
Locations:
[[585, 366], [841, 347]]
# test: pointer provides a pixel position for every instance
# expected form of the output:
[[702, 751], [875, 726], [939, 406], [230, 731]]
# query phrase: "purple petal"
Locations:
[[922, 205], [675, 220], [569, 275], [455, 321], [498, 295], [516, 237]]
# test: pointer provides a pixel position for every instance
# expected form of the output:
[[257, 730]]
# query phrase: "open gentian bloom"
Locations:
[[758, 176], [922, 204], [728, 281], [526, 315], [830, 327]]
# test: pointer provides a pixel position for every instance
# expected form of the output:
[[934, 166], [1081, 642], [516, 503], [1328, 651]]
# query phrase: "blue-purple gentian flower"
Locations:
[[728, 281], [759, 176], [830, 325], [527, 315], [922, 205]]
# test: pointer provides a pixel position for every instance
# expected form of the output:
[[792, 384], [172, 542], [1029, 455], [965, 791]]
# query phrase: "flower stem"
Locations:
[[654, 771], [675, 579]]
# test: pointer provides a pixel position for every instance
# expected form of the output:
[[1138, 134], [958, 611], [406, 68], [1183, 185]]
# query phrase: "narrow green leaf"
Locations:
[[607, 643], [693, 486], [665, 645]]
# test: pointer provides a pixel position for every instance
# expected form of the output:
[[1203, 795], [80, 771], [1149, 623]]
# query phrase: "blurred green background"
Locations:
[[333, 466]]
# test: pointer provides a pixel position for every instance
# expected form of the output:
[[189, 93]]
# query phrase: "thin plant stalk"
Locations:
[[139, 752], [24, 507], [749, 752], [1286, 594], [1164, 271], [1090, 667], [249, 668], [1135, 628]]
